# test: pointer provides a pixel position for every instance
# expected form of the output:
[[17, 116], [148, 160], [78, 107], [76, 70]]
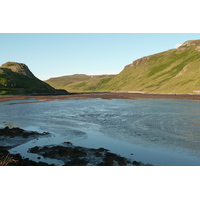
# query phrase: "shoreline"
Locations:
[[65, 152], [103, 95], [108, 158]]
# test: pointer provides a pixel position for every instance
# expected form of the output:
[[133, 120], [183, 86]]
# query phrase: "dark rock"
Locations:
[[69, 143], [34, 149], [13, 132], [121, 161], [77, 162], [77, 152], [102, 150], [81, 156], [98, 154], [136, 163]]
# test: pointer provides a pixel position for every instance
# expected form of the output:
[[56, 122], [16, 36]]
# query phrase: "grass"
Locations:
[[80, 82], [5, 160], [15, 78], [160, 74], [172, 71]]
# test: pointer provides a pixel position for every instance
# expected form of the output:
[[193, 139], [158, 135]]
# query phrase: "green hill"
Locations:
[[80, 82], [16, 78], [172, 71]]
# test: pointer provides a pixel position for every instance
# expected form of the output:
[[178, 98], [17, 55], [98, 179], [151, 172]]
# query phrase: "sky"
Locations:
[[57, 54]]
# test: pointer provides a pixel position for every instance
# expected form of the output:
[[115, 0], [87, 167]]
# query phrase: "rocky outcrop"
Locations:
[[70, 154], [81, 156], [19, 68], [190, 43], [141, 61]]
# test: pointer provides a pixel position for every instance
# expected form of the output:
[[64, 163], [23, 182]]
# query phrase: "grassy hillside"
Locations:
[[80, 82], [16, 78], [172, 71]]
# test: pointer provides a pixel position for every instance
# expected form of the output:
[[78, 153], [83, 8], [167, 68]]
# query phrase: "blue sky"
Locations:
[[58, 54]]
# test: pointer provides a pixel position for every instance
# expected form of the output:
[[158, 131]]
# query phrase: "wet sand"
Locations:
[[110, 95]]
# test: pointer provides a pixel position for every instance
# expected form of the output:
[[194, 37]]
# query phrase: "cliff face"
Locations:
[[16, 78], [191, 43], [142, 61]]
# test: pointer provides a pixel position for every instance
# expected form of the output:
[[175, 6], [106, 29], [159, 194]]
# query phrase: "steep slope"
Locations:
[[80, 82], [172, 71], [16, 78]]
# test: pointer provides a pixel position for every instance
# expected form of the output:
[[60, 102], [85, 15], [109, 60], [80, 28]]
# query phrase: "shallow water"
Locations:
[[159, 132]]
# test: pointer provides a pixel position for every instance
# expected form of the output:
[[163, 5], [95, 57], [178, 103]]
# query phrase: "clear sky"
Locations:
[[58, 54]]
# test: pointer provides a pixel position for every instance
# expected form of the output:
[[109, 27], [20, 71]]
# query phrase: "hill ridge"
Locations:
[[171, 71], [16, 78], [191, 42], [20, 68]]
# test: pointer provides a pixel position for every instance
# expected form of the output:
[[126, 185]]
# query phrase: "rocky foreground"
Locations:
[[69, 154]]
